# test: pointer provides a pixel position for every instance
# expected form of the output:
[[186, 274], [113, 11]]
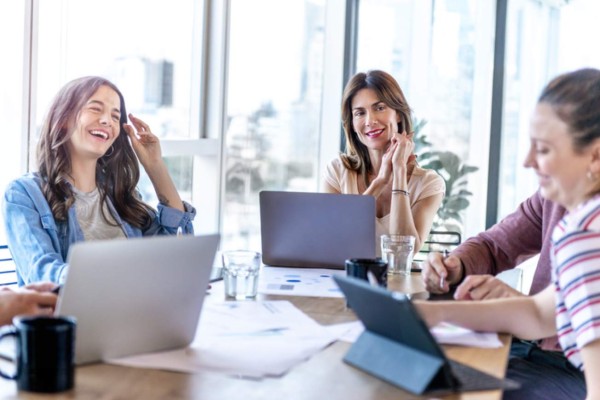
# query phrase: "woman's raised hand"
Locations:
[[385, 170], [145, 144], [404, 149]]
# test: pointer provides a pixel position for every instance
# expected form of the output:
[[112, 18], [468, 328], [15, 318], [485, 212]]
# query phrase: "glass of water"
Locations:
[[398, 251], [240, 273]]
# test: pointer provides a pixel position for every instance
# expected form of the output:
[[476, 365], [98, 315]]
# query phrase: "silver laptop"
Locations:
[[135, 296], [316, 230]]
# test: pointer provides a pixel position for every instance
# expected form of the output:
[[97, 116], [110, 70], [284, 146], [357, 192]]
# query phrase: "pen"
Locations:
[[446, 253], [371, 278], [179, 231]]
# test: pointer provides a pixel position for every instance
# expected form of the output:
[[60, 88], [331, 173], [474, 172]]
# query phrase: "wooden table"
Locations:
[[324, 376]]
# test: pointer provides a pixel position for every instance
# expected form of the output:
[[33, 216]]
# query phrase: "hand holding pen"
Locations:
[[442, 275], [441, 270]]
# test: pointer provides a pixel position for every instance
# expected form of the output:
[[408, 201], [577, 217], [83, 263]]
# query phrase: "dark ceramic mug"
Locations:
[[373, 270], [45, 353]]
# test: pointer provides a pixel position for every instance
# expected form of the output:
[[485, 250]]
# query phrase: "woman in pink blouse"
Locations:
[[379, 159]]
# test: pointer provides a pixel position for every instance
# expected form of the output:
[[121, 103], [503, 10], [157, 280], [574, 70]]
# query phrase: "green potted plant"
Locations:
[[454, 171]]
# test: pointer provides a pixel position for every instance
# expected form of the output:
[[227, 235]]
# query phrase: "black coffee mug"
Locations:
[[368, 269], [45, 353]]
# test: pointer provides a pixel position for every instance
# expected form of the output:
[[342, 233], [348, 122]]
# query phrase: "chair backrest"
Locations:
[[438, 241], [8, 273]]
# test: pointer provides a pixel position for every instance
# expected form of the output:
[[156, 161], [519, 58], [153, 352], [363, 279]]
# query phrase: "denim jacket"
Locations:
[[39, 244]]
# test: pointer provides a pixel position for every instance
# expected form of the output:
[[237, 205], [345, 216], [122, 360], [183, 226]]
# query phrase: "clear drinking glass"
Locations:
[[398, 251], [240, 273]]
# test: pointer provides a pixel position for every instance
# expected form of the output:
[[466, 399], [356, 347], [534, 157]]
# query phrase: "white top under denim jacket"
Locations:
[[39, 244]]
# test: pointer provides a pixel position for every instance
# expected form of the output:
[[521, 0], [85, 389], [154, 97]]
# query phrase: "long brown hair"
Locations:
[[356, 156], [117, 172]]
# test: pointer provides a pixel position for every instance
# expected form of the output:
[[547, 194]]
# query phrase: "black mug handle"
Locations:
[[5, 332]]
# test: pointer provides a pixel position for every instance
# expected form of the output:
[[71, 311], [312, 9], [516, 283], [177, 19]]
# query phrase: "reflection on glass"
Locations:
[[402, 36], [180, 169], [385, 40], [144, 46], [11, 100], [273, 104], [528, 61], [540, 44], [431, 49]]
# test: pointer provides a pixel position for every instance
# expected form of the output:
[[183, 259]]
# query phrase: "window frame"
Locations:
[[208, 119]]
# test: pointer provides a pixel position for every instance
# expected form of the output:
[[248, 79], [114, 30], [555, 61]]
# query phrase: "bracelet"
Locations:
[[404, 192]]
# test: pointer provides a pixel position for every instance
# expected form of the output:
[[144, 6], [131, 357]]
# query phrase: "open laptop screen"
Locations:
[[139, 295], [318, 230]]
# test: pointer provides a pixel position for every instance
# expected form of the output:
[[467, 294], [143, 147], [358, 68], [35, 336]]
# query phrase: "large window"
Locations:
[[149, 48], [441, 53], [542, 41], [528, 62], [244, 101], [13, 137], [273, 108], [146, 47]]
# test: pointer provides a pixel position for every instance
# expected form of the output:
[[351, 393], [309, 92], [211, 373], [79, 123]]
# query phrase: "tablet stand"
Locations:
[[395, 363]]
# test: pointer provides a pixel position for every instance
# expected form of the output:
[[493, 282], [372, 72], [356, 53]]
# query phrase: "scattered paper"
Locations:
[[299, 281], [350, 331], [444, 333], [267, 338], [249, 339], [452, 334]]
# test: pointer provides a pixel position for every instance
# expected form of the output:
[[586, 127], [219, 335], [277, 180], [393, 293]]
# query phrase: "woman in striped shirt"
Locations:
[[565, 155]]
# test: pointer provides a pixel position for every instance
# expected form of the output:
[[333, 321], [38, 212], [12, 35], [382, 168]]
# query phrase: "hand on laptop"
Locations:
[[35, 299]]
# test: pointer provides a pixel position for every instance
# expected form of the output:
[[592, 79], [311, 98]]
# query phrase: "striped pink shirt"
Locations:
[[576, 278]]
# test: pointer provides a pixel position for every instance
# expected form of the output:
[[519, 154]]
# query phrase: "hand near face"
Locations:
[[145, 144], [25, 302], [385, 171], [404, 149]]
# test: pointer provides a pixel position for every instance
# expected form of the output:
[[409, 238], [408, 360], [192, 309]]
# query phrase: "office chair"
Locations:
[[438, 241], [8, 273]]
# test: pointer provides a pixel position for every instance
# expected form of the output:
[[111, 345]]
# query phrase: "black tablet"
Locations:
[[398, 347]]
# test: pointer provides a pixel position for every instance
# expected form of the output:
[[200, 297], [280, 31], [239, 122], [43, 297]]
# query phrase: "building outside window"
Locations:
[[544, 38], [280, 83], [13, 137], [149, 49], [275, 79], [441, 54]]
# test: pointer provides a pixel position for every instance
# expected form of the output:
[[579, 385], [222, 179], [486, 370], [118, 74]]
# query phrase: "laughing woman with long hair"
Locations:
[[85, 186]]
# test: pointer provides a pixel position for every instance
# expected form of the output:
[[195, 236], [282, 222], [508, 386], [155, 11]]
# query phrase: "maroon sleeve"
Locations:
[[516, 238], [521, 235]]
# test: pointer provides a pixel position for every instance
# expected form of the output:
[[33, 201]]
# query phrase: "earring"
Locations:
[[591, 176], [112, 150]]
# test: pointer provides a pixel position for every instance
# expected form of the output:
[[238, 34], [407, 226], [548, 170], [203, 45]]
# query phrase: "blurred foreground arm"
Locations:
[[35, 299], [527, 317]]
